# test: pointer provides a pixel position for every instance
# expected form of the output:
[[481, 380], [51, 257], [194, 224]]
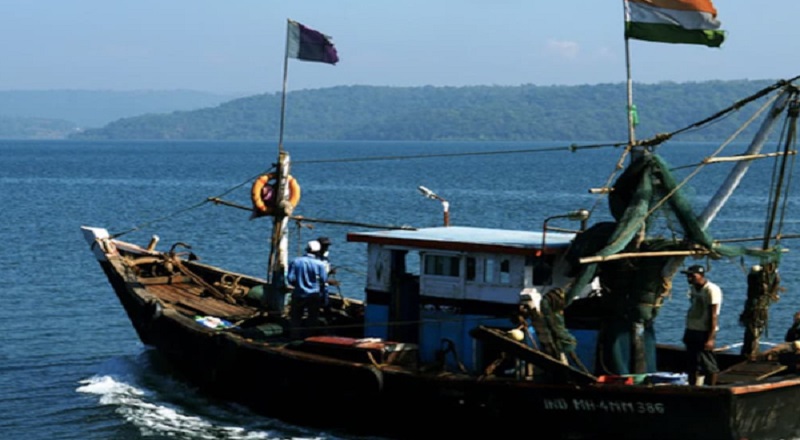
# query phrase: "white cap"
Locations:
[[313, 246]]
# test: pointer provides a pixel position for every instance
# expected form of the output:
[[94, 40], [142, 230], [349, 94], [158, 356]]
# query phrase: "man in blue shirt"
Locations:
[[308, 277]]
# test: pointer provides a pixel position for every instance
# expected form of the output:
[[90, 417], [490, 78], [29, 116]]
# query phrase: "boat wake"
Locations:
[[160, 406]]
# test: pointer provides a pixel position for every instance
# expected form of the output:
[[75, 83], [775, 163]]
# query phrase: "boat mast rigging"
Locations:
[[788, 149]]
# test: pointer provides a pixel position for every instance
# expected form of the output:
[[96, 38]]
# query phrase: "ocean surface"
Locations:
[[71, 366]]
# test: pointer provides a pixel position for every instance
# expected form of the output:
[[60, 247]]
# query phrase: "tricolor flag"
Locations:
[[673, 21], [309, 45]]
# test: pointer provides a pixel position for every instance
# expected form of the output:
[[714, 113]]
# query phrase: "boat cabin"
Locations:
[[432, 286]]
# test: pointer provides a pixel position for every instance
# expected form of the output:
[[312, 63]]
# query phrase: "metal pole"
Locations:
[[739, 170], [285, 81], [631, 133]]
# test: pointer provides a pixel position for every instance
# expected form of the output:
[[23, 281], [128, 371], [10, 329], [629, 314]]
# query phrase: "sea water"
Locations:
[[72, 367]]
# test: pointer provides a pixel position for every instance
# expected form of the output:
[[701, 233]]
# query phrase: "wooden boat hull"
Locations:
[[293, 379]]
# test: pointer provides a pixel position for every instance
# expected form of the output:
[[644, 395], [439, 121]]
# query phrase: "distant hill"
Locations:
[[527, 112], [34, 113], [35, 128]]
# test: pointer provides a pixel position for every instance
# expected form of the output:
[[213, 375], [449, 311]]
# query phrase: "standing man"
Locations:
[[309, 279], [324, 256], [791, 357], [702, 325], [793, 334], [324, 243]]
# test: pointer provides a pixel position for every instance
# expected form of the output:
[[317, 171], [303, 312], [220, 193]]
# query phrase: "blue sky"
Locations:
[[236, 46]]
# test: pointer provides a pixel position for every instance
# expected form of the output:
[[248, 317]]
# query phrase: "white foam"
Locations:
[[157, 419]]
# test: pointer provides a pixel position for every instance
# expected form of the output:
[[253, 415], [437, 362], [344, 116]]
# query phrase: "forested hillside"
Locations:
[[35, 128], [55, 114], [528, 112]]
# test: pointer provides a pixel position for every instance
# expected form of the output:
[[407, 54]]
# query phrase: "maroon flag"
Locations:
[[307, 44]]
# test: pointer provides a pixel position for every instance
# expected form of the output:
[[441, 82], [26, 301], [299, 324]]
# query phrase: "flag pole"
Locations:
[[638, 344], [285, 81], [631, 132], [278, 254], [629, 82]]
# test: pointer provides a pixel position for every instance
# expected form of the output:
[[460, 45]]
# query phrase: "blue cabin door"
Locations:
[[404, 302]]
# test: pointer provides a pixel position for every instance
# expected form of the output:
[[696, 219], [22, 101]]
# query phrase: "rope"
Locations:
[[210, 288], [186, 209], [737, 105], [663, 137], [300, 218], [156, 220], [571, 148]]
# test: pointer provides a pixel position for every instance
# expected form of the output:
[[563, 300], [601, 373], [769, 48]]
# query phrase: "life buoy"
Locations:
[[263, 193]]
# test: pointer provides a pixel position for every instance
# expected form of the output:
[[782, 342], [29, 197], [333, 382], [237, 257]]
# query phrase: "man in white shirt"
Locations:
[[702, 325]]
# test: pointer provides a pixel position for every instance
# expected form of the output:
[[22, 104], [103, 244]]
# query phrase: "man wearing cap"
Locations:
[[702, 324], [309, 279]]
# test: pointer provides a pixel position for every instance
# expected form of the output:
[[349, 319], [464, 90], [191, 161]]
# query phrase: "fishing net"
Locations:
[[633, 289]]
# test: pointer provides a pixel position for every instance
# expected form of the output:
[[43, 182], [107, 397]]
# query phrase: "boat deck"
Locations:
[[750, 371], [192, 299]]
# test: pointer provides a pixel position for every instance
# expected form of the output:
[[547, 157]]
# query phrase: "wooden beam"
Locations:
[[530, 354], [746, 157], [600, 259]]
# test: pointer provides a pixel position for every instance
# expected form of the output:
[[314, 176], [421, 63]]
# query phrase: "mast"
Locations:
[[305, 44], [629, 82], [279, 250], [279, 242], [631, 108], [283, 93], [637, 328]]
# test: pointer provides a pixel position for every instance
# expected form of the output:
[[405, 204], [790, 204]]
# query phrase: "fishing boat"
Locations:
[[466, 329], [463, 324]]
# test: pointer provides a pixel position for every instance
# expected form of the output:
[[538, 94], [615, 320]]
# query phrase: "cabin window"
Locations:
[[505, 271], [442, 265], [471, 269], [488, 270], [496, 270]]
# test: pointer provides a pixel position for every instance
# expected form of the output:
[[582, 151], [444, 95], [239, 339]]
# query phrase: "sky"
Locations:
[[238, 46]]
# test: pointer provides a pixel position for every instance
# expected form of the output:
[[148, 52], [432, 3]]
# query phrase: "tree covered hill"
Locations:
[[55, 114], [501, 113]]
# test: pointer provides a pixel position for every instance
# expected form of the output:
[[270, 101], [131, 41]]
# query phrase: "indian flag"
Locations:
[[673, 21]]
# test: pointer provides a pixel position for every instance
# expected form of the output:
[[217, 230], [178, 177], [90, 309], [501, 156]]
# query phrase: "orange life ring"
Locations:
[[263, 192]]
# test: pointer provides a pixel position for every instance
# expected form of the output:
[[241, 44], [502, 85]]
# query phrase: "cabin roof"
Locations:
[[467, 239]]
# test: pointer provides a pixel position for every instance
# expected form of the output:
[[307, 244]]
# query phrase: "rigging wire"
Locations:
[[788, 138], [734, 107], [661, 138], [185, 209], [716, 153], [571, 148], [698, 167]]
